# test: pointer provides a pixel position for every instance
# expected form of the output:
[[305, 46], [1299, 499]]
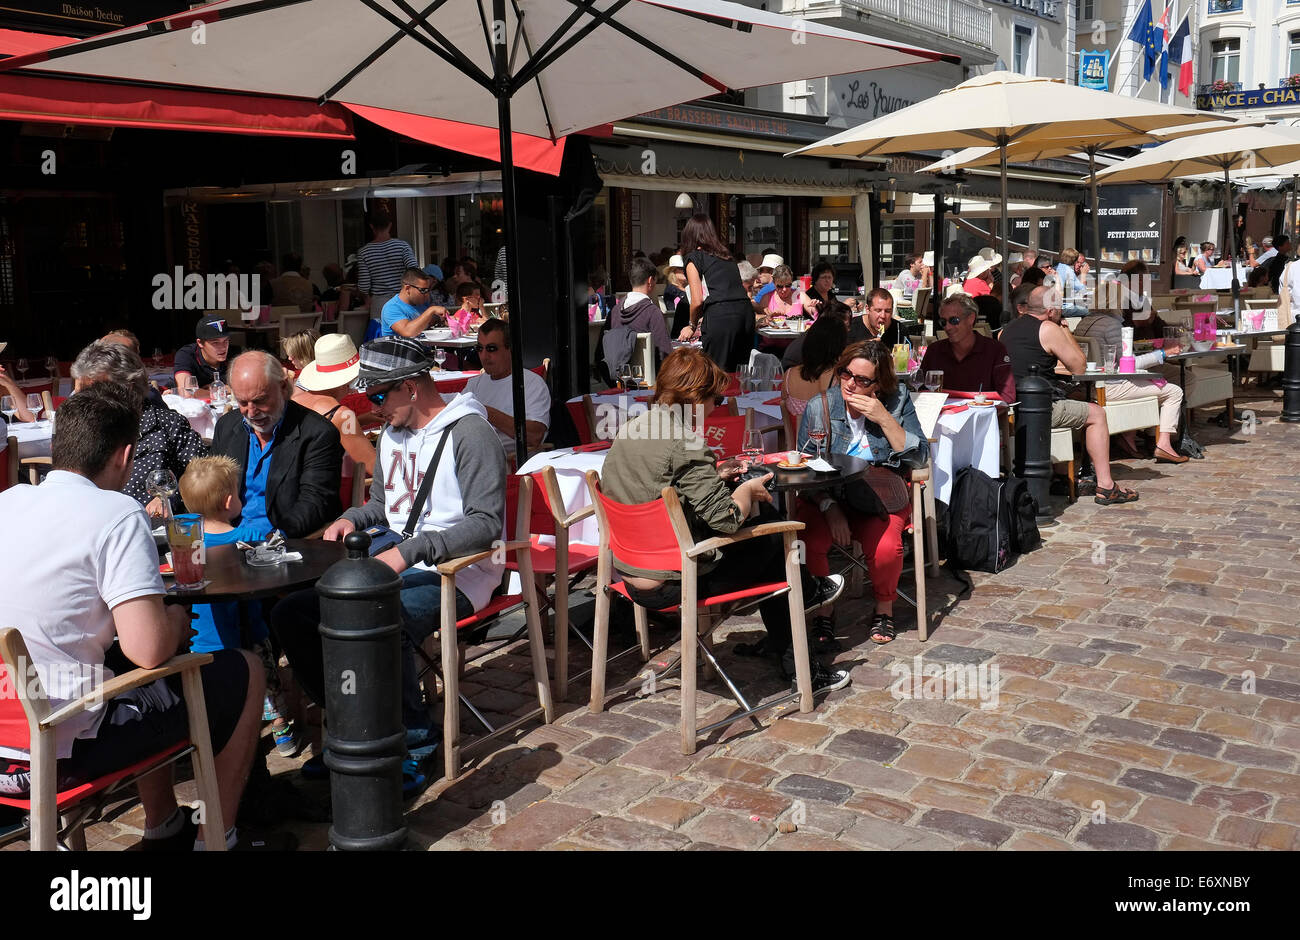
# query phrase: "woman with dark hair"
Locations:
[[822, 345], [823, 283], [869, 416], [658, 449], [728, 331]]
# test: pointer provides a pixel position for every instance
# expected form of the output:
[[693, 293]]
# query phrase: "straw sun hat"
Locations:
[[982, 262], [337, 363]]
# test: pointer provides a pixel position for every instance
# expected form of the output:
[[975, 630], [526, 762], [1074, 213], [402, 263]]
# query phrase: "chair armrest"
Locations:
[[124, 683], [453, 565], [40, 461], [743, 535], [578, 516]]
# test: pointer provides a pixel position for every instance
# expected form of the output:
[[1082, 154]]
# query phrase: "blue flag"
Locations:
[[1143, 32]]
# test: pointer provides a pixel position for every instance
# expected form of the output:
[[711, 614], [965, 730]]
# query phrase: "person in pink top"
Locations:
[[786, 300]]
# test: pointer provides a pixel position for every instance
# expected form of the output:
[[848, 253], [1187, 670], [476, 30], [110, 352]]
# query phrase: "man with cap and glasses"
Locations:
[[409, 313], [205, 358], [463, 514]]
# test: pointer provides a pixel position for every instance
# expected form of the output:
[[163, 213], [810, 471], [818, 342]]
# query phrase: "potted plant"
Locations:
[[1221, 85], [1291, 81]]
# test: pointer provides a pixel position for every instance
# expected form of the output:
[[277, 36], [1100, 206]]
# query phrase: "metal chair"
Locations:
[[655, 536]]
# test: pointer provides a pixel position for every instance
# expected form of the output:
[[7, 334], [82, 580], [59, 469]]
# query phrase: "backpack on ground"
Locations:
[[990, 522]]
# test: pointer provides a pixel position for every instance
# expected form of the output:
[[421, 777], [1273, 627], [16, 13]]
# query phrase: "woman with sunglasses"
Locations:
[[871, 417], [786, 300]]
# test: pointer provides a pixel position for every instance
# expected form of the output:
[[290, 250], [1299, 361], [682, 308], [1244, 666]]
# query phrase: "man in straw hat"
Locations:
[[463, 514]]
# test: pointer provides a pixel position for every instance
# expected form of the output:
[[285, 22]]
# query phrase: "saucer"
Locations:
[[792, 466]]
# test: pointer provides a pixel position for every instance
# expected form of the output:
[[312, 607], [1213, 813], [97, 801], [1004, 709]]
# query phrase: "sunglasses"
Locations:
[[377, 398], [422, 290], [953, 321], [489, 348], [861, 381]]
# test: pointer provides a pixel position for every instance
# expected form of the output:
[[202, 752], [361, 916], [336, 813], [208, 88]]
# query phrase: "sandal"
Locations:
[[822, 636], [882, 625], [1116, 494]]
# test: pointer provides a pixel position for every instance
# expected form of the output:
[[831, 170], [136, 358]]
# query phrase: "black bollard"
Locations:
[[1291, 376], [1034, 439], [365, 742]]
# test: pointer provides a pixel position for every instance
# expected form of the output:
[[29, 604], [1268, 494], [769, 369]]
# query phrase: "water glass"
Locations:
[[752, 451], [1109, 357], [22, 368], [52, 366], [8, 407], [185, 537], [817, 422], [439, 356], [191, 387]]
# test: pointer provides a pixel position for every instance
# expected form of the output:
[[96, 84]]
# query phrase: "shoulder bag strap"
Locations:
[[426, 484]]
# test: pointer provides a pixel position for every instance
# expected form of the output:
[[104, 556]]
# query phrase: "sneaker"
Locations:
[[182, 841], [826, 680], [286, 740], [422, 742], [414, 780], [826, 591]]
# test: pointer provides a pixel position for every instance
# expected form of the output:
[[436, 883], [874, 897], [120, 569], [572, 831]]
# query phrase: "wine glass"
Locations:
[[157, 360], [9, 408], [818, 423], [934, 380], [638, 376], [22, 368], [752, 450], [191, 387], [162, 484], [52, 367], [624, 376], [35, 405], [439, 356]]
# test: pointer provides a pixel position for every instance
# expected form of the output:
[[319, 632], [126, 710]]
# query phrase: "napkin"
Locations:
[[594, 446], [773, 401], [821, 466]]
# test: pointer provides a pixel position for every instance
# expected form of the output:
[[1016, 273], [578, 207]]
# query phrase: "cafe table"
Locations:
[[443, 338], [231, 578], [1098, 378], [1192, 355], [33, 437]]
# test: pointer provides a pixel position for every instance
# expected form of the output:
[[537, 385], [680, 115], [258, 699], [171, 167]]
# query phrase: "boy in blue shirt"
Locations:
[[210, 487]]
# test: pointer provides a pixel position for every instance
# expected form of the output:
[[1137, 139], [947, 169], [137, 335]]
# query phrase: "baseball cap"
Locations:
[[433, 271], [391, 359], [212, 326]]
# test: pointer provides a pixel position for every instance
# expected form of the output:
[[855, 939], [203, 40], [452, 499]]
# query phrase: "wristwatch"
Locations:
[[825, 504]]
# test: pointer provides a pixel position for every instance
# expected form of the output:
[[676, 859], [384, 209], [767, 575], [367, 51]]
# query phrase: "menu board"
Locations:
[[1130, 223]]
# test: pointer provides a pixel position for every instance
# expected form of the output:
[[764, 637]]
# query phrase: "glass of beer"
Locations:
[[185, 537]]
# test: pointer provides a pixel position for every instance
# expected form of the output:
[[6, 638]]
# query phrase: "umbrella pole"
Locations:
[[1006, 241], [1096, 214], [510, 225], [1230, 239]]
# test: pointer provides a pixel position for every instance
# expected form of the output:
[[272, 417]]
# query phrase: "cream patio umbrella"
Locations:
[[1000, 109], [542, 67], [1246, 148], [1036, 149]]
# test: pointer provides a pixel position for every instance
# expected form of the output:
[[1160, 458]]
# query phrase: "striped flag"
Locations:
[[1180, 50], [1162, 31]]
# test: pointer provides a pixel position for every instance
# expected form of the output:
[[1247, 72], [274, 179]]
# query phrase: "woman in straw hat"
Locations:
[[324, 381]]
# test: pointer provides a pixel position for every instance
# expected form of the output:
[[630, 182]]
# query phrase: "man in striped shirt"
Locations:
[[381, 263]]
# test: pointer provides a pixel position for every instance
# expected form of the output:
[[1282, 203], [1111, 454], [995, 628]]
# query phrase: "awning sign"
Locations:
[[1093, 69]]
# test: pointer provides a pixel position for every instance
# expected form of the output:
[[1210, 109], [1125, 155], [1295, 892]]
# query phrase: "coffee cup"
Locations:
[[795, 458], [980, 399], [1090, 367]]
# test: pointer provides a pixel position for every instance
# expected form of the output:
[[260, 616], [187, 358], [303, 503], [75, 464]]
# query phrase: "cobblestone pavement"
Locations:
[[1148, 696]]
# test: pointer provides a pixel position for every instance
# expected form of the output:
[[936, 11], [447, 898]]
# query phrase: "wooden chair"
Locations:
[[655, 536], [9, 464], [354, 323], [28, 722], [561, 562], [643, 355], [450, 628], [294, 321], [920, 300], [925, 542]]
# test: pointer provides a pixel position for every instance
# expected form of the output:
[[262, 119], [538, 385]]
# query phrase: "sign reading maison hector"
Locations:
[[88, 16]]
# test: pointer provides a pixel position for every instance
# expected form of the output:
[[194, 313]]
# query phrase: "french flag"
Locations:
[[1180, 51]]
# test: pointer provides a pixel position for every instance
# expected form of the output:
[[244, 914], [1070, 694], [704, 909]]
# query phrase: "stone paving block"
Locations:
[[928, 761], [1283, 811], [923, 733], [1048, 737], [866, 745], [1251, 755], [805, 842], [1117, 835], [1005, 747], [1118, 802], [880, 834], [949, 823], [803, 787], [1074, 655], [1124, 729], [604, 749], [665, 811], [1206, 677], [1036, 842], [662, 753], [1024, 665], [1030, 688], [1276, 710], [752, 801], [1088, 765], [949, 653], [1242, 802], [1232, 701], [1270, 781], [991, 722], [1111, 646], [1162, 713], [938, 713], [1039, 814], [881, 807], [1290, 691], [1193, 742], [948, 794], [1146, 687], [1202, 769], [733, 769], [1150, 781], [1171, 816], [610, 832], [1254, 834], [1007, 777], [867, 719], [729, 829], [1086, 677], [1055, 713], [611, 789], [805, 734], [873, 776], [537, 825], [1103, 703], [803, 762]]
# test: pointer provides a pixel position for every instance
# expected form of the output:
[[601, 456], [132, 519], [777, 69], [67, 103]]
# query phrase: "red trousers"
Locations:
[[881, 541]]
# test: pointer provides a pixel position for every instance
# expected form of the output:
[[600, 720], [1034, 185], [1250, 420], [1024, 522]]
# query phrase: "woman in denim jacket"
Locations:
[[872, 417]]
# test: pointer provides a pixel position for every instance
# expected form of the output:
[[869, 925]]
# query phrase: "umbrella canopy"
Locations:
[[540, 67], [1000, 109], [1238, 148]]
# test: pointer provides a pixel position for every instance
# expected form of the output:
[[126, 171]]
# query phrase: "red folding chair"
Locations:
[[561, 561], [28, 723], [656, 537], [451, 630]]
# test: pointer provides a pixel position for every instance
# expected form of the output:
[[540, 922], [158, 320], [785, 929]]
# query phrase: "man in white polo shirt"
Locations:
[[89, 578], [494, 389]]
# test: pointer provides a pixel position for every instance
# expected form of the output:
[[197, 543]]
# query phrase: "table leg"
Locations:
[[1187, 411]]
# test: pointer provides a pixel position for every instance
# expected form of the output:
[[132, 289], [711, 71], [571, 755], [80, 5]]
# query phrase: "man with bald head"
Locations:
[[290, 458], [1037, 338]]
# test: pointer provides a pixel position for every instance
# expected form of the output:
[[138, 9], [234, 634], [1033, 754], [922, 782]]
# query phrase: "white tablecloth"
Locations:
[[570, 469], [965, 439], [200, 415], [1221, 278], [33, 438]]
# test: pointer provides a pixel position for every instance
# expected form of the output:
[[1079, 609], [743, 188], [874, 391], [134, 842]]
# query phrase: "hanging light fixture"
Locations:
[[889, 195], [684, 201]]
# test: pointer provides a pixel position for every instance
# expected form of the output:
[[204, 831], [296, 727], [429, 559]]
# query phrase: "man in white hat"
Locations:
[[770, 263], [322, 385]]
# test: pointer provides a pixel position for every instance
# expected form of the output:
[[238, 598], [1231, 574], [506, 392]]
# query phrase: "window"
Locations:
[[1084, 10], [1293, 55], [1022, 50], [1225, 55], [897, 239], [832, 239], [1225, 6]]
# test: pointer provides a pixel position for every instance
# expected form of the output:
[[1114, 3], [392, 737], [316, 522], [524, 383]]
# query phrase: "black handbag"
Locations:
[[382, 538]]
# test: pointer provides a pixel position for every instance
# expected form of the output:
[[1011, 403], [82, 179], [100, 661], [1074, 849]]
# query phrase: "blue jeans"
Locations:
[[296, 618]]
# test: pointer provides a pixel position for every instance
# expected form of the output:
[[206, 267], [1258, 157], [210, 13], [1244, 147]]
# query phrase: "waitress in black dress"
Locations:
[[728, 331]]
